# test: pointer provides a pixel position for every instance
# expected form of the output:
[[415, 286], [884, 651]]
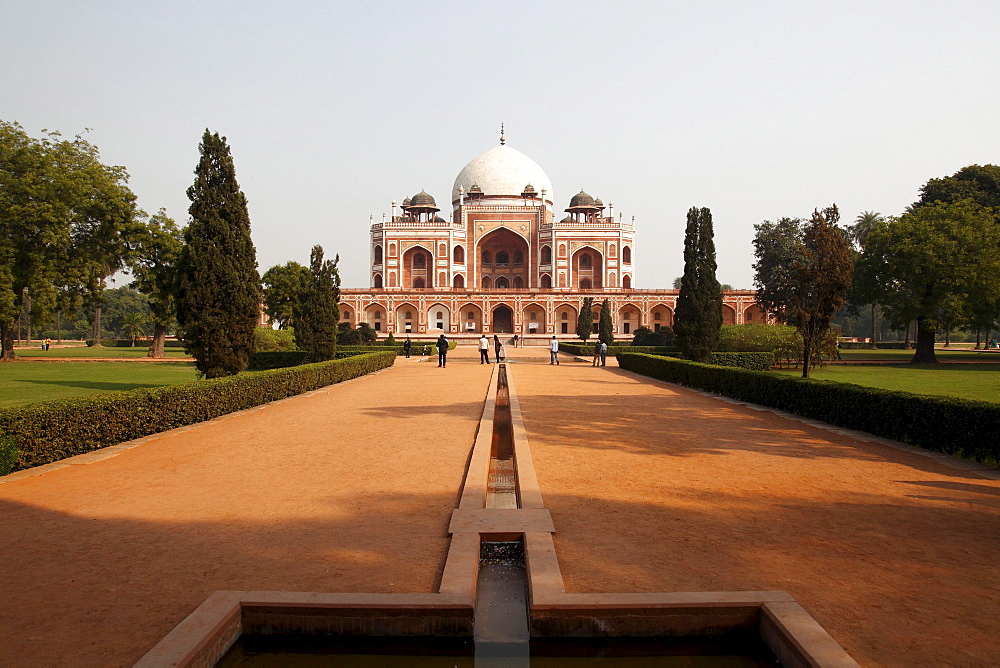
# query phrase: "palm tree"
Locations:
[[862, 226], [133, 326]]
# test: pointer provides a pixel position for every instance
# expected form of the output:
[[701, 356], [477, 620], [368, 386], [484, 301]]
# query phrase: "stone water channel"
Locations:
[[501, 623]]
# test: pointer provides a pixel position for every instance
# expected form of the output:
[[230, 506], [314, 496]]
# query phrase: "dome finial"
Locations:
[[502, 140]]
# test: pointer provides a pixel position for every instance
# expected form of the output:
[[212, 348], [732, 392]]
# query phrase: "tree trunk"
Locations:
[[874, 343], [906, 341], [978, 340], [806, 359], [156, 345], [97, 327], [7, 340], [925, 344], [58, 326]]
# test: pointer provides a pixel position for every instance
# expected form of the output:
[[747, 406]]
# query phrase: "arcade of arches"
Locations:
[[530, 315]]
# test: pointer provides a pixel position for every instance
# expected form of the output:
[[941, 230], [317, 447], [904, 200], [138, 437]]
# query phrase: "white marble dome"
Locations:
[[502, 171]]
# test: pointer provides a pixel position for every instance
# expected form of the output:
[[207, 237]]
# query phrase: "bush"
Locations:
[[277, 359], [952, 426], [782, 340], [268, 340], [755, 361], [644, 336], [53, 430], [347, 335]]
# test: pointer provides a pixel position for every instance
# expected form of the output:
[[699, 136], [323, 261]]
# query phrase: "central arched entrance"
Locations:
[[503, 320], [503, 258]]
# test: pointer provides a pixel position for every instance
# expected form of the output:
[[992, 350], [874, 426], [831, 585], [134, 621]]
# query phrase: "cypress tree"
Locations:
[[219, 293], [698, 318], [606, 328], [317, 311], [585, 323]]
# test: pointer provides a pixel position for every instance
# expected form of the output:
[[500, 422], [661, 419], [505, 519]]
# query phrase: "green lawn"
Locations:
[[27, 382], [85, 351], [906, 355], [966, 381]]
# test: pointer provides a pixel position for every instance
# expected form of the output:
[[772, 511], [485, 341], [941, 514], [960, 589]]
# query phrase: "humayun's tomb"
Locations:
[[503, 264]]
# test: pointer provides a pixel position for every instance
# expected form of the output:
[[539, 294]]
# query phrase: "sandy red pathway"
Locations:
[[656, 488], [349, 489]]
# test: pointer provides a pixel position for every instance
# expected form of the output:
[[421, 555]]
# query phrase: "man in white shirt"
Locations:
[[484, 350], [554, 351]]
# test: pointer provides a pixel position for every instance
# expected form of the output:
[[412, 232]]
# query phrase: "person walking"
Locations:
[[407, 344], [554, 351], [442, 346], [597, 353], [515, 340], [496, 346], [484, 350], [604, 352]]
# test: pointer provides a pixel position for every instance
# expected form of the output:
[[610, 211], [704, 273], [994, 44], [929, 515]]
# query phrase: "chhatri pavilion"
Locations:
[[501, 262]]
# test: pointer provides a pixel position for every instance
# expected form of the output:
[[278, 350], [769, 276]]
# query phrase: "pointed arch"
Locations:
[[533, 318], [470, 318], [438, 318]]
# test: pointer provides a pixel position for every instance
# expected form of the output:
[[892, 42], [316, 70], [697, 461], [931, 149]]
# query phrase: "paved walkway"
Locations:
[[347, 489], [651, 487], [654, 487]]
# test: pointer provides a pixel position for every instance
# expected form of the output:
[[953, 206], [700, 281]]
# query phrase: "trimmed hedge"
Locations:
[[53, 430], [952, 426], [883, 345], [587, 349]]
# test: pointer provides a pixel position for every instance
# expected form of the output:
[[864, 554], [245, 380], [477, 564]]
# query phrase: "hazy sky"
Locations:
[[754, 109]]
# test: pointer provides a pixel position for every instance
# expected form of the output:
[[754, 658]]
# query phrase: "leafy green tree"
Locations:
[[932, 264], [317, 313], [803, 273], [699, 304], [120, 304], [585, 322], [282, 284], [66, 220], [219, 295], [606, 326], [155, 272], [980, 183]]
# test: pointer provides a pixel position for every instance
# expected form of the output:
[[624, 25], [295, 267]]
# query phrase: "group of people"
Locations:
[[442, 345], [484, 349], [600, 353]]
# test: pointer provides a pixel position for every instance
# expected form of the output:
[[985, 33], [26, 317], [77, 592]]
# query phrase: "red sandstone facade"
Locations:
[[503, 264]]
